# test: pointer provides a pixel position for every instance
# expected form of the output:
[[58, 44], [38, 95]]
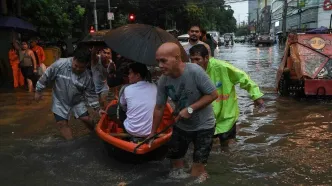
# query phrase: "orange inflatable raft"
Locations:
[[110, 132]]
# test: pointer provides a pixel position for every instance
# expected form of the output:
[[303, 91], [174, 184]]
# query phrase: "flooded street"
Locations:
[[288, 144]]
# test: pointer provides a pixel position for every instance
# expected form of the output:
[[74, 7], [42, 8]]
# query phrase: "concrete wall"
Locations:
[[324, 17], [308, 18], [311, 15], [252, 6]]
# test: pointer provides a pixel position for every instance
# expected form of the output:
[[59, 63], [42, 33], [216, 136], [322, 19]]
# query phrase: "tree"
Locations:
[[241, 31], [4, 8], [54, 19], [209, 14]]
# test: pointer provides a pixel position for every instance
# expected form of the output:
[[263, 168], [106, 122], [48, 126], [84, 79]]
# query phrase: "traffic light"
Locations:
[[92, 29], [131, 17]]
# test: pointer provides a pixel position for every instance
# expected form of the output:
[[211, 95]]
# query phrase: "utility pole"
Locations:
[[95, 13], [257, 23], [109, 11], [239, 20], [284, 19], [270, 21]]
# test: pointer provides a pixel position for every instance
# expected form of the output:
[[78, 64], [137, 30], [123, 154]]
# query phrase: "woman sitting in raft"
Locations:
[[136, 102]]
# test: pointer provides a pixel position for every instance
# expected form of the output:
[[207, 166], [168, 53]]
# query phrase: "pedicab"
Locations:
[[306, 67]]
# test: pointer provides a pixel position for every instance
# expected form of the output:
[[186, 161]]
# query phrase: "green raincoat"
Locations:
[[225, 76]]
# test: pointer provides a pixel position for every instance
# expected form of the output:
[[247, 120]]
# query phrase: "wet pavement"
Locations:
[[288, 144]]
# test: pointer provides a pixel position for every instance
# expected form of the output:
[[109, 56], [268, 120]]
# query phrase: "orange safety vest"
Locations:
[[13, 57], [40, 53]]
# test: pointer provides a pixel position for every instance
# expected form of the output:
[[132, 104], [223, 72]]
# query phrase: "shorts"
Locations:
[[180, 140], [231, 134], [59, 118], [28, 73], [64, 111]]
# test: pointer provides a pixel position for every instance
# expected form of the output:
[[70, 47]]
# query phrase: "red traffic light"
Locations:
[[131, 17], [92, 29]]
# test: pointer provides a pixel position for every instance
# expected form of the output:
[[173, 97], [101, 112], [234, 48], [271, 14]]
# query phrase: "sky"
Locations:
[[240, 11]]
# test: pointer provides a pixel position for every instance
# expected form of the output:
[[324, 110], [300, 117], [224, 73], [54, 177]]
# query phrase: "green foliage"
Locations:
[[209, 14], [54, 19], [121, 19], [241, 31]]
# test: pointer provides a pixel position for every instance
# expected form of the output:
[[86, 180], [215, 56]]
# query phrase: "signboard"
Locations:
[[110, 16], [327, 5]]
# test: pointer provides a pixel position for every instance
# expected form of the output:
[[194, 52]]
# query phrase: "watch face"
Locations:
[[190, 110]]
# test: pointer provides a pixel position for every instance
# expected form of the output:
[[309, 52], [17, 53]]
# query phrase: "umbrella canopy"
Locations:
[[95, 38], [17, 24], [320, 30], [140, 42]]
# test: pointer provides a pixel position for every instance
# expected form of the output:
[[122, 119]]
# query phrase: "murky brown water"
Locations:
[[289, 144]]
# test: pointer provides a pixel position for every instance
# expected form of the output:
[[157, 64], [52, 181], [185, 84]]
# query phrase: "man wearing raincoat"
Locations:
[[72, 84], [225, 76]]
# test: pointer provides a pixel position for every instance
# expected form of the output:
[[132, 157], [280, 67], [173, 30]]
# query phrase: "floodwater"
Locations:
[[288, 144]]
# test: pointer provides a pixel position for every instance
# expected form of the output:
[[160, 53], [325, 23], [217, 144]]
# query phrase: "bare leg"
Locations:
[[197, 169], [30, 85], [64, 129], [177, 163], [88, 122]]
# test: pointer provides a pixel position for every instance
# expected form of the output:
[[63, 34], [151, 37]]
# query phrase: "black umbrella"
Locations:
[[16, 24], [95, 38], [139, 42]]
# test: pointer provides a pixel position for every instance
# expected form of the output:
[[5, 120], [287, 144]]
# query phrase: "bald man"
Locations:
[[192, 91]]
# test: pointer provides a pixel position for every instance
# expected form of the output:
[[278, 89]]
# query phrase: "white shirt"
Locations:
[[140, 100], [188, 46]]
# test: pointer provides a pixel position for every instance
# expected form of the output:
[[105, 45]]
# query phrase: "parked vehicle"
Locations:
[[240, 39], [183, 39], [264, 39], [306, 68], [229, 39], [216, 36], [222, 41]]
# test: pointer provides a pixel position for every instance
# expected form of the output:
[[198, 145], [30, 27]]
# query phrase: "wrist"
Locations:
[[190, 110]]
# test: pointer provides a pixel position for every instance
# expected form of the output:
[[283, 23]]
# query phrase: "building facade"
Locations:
[[264, 20], [324, 14], [300, 14], [252, 15]]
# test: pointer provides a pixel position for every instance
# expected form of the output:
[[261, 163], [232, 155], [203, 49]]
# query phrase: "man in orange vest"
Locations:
[[39, 51], [14, 62]]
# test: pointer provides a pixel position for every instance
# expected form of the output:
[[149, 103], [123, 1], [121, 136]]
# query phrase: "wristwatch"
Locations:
[[190, 110]]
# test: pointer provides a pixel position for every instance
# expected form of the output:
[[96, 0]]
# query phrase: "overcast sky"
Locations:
[[240, 11]]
